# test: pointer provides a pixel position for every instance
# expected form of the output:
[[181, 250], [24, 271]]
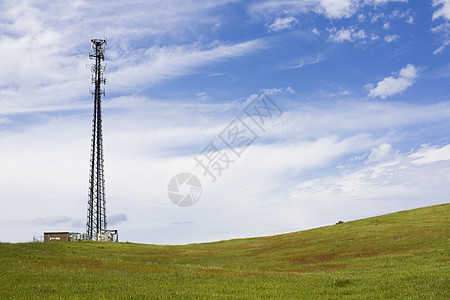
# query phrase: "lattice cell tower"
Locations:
[[96, 215]]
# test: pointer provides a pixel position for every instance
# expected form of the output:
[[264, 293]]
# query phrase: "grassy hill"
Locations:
[[403, 255]]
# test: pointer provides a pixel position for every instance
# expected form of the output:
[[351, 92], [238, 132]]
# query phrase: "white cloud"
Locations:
[[277, 91], [442, 47], [387, 186], [290, 90], [305, 62], [161, 63], [429, 154], [359, 35], [376, 17], [337, 8], [443, 32], [330, 8], [282, 23], [391, 38], [443, 9], [393, 16], [381, 2], [343, 35], [145, 66], [381, 153], [333, 9], [203, 96], [408, 72], [393, 85], [349, 118]]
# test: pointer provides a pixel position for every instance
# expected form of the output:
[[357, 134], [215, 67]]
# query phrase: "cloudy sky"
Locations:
[[361, 125]]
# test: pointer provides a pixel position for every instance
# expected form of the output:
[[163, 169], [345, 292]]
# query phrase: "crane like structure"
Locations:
[[96, 215]]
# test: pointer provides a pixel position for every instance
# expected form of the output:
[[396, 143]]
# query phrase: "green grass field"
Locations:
[[404, 255]]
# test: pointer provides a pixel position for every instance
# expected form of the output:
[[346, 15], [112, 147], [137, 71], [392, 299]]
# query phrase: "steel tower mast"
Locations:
[[96, 215]]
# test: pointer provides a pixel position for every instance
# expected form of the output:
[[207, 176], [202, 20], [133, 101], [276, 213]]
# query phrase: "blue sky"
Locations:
[[363, 86]]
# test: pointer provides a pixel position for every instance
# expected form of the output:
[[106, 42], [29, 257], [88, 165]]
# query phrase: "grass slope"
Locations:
[[404, 255]]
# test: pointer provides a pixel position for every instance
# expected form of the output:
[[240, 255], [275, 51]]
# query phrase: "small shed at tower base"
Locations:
[[63, 236]]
